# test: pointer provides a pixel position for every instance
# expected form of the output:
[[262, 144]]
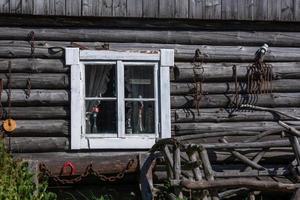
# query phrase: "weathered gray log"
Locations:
[[34, 65], [152, 23], [296, 195], [196, 171], [36, 81], [56, 112], [256, 159], [283, 85], [21, 49], [104, 162], [237, 145], [41, 128], [223, 115], [36, 144], [169, 159], [218, 100], [223, 71], [243, 158], [177, 163], [36, 98], [240, 182], [260, 126], [229, 38]]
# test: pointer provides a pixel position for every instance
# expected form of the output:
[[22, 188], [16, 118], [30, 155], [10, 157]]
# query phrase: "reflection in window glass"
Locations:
[[140, 116], [139, 81], [101, 116], [100, 81]]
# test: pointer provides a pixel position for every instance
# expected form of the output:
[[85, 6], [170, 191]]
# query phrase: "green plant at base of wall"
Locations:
[[17, 183]]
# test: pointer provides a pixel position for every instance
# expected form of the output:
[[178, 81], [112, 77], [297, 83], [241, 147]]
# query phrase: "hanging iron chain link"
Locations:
[[88, 171], [198, 78]]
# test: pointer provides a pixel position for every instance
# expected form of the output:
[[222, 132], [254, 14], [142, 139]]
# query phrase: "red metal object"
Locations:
[[70, 165]]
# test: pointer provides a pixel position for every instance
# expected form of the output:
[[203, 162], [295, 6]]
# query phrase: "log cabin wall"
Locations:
[[43, 114]]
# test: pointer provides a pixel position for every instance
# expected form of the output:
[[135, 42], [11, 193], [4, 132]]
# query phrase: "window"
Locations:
[[119, 100]]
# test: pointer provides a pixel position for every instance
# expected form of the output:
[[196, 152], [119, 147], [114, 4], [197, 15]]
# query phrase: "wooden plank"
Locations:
[[223, 115], [167, 9], [73, 7], [151, 8], [213, 9], [181, 9], [287, 10], [246, 9], [229, 9], [284, 85], [15, 6], [36, 81], [57, 7], [197, 9], [38, 113], [260, 9], [107, 6], [37, 144], [106, 162], [217, 72], [91, 7], [37, 98], [217, 101], [274, 10], [33, 65], [134, 8], [27, 6], [119, 8], [4, 6], [41, 7], [297, 10]]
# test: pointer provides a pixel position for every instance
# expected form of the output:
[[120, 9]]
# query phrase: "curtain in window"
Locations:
[[96, 82]]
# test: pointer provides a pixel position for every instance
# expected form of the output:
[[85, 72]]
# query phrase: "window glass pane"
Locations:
[[100, 81], [101, 116], [139, 81], [140, 117]]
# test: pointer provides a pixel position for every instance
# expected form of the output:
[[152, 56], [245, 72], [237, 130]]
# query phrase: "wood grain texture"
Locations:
[[229, 9], [167, 9], [91, 7], [197, 9], [297, 10], [134, 8], [119, 8], [73, 7], [245, 9], [213, 9], [260, 10], [151, 8], [27, 6], [274, 10], [287, 10], [57, 7], [16, 6], [4, 6], [181, 9], [41, 7]]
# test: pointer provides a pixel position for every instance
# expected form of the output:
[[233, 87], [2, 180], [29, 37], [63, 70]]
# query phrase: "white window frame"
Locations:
[[162, 60]]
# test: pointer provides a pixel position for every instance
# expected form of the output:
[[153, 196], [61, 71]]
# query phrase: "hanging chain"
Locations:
[[236, 99], [198, 78], [9, 90], [31, 41], [259, 78], [28, 88], [88, 171]]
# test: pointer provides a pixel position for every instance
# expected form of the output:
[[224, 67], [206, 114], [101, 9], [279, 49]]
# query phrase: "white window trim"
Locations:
[[76, 59]]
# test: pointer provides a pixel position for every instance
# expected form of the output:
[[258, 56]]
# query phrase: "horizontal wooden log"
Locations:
[[41, 128], [36, 81], [257, 126], [240, 145], [50, 49], [22, 113], [229, 38], [105, 163], [218, 100], [223, 71], [36, 98], [224, 115], [240, 182], [152, 23], [284, 85], [34, 65], [36, 144]]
